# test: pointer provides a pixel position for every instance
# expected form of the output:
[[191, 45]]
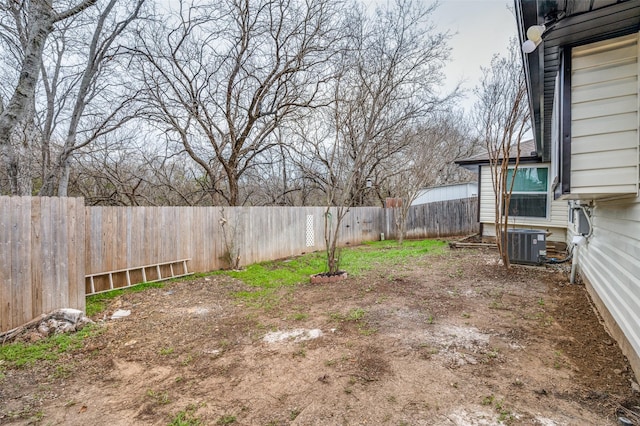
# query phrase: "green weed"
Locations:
[[367, 331], [544, 320], [294, 413], [505, 416], [186, 360], [63, 371], [557, 360], [301, 353], [166, 351], [276, 274], [488, 400], [186, 418], [226, 420], [161, 398], [356, 314], [336, 316], [493, 353], [496, 304], [22, 354], [37, 417]]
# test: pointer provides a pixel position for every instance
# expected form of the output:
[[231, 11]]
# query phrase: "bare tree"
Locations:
[[503, 117], [429, 161], [389, 84], [127, 168], [275, 180], [385, 84], [84, 99], [227, 74], [26, 29]]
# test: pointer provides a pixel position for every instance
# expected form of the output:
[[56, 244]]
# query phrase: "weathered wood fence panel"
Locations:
[[125, 237], [41, 257], [440, 219], [48, 245]]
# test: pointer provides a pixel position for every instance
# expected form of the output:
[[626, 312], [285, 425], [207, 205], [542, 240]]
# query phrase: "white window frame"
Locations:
[[548, 206]]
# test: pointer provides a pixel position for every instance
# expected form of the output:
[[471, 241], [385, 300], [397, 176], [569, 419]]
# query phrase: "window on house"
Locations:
[[529, 196]]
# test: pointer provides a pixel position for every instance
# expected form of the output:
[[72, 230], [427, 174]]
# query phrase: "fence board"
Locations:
[[6, 253], [36, 252], [20, 240], [59, 243]]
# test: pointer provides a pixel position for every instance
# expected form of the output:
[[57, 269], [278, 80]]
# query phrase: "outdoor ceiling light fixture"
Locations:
[[534, 38], [536, 32]]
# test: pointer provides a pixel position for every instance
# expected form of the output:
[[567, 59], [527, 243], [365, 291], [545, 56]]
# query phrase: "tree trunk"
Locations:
[[41, 18], [63, 183]]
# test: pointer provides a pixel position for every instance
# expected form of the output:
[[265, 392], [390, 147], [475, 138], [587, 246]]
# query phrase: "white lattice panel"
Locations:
[[310, 234]]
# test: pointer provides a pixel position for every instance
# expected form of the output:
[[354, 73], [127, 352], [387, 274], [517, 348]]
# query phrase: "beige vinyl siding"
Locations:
[[611, 263], [487, 197], [604, 118], [556, 222]]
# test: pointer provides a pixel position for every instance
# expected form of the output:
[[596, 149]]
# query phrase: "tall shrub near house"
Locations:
[[502, 114]]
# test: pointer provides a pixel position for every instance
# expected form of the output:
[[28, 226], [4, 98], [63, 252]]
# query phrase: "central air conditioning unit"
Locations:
[[526, 246]]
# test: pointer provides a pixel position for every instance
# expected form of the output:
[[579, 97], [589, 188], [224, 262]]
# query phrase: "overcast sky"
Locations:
[[482, 28]]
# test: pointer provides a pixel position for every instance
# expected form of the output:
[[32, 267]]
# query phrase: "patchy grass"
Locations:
[[266, 277], [22, 354], [356, 314], [360, 259], [98, 302], [280, 273], [180, 419], [227, 419], [186, 417], [269, 276], [161, 398]]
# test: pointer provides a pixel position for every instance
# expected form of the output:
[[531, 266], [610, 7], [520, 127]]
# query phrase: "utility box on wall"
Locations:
[[526, 246]]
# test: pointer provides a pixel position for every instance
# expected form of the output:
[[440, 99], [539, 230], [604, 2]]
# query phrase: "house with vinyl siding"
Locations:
[[583, 89], [532, 203]]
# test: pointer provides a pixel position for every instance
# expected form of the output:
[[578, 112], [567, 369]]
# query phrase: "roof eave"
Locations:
[[614, 20]]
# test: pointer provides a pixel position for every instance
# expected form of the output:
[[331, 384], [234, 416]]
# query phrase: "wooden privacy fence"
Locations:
[[439, 219], [54, 251], [41, 257], [126, 237]]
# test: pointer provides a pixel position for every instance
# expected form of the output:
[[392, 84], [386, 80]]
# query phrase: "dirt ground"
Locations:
[[449, 339]]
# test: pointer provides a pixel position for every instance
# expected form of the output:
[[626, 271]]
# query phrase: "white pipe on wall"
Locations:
[[577, 241]]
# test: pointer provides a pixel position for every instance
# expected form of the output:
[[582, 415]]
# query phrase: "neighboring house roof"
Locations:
[[527, 154], [451, 191], [573, 23], [446, 185]]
